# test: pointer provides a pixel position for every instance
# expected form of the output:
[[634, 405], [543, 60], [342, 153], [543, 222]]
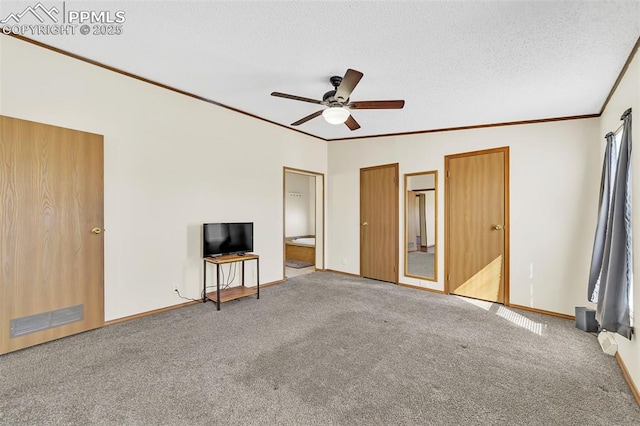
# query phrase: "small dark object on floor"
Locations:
[[296, 264], [586, 319]]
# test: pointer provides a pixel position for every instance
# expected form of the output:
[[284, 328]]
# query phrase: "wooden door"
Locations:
[[477, 261], [379, 223], [51, 197]]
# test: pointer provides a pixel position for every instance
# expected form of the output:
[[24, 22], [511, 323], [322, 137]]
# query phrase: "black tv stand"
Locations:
[[232, 293]]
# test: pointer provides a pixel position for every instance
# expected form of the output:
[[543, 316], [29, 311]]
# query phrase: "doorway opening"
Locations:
[[303, 207]]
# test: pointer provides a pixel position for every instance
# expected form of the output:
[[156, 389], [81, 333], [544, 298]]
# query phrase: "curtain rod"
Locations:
[[618, 129], [624, 114], [615, 132]]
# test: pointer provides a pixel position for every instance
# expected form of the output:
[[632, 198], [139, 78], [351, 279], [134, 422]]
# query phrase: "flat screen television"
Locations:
[[226, 238]]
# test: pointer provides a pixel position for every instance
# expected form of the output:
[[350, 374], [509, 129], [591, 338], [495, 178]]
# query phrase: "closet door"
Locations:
[[477, 261], [51, 241], [379, 223]]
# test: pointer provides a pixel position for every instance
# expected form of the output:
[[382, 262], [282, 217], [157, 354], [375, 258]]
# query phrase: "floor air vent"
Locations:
[[45, 320]]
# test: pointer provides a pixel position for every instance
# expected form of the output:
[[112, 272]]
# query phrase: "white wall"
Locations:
[[422, 182], [171, 164], [627, 95], [300, 204], [554, 177]]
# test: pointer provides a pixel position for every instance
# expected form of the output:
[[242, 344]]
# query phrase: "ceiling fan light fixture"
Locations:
[[336, 115]]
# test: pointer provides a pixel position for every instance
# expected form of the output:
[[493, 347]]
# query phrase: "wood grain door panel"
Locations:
[[51, 197], [379, 223], [476, 231]]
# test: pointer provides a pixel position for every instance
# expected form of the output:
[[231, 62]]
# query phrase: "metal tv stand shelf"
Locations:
[[232, 293]]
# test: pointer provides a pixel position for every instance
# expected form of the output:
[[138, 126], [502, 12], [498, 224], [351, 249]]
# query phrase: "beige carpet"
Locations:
[[322, 349]]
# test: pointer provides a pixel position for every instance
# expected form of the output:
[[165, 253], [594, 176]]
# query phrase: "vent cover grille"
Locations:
[[38, 322]]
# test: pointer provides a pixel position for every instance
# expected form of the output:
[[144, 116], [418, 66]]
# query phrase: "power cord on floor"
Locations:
[[186, 298]]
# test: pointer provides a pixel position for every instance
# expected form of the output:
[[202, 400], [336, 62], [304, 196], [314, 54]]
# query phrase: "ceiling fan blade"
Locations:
[[377, 104], [352, 123], [307, 118], [296, 98], [349, 82]]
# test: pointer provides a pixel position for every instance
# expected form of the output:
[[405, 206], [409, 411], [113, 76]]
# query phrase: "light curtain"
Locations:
[[611, 274]]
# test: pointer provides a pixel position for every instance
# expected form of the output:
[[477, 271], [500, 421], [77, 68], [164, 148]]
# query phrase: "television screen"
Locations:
[[226, 238]]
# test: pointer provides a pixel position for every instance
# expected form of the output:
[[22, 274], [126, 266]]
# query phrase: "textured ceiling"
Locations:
[[455, 63]]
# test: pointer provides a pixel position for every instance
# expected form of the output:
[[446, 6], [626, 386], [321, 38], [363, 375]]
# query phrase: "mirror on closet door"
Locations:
[[421, 224]]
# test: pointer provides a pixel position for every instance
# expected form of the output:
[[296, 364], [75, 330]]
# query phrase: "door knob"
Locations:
[[365, 223], [497, 227], [96, 230]]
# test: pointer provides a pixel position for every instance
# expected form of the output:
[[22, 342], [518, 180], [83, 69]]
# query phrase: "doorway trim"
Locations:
[[507, 227], [396, 218], [320, 219]]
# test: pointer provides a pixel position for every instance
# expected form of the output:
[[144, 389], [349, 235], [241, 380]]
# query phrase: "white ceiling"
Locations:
[[456, 63]]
